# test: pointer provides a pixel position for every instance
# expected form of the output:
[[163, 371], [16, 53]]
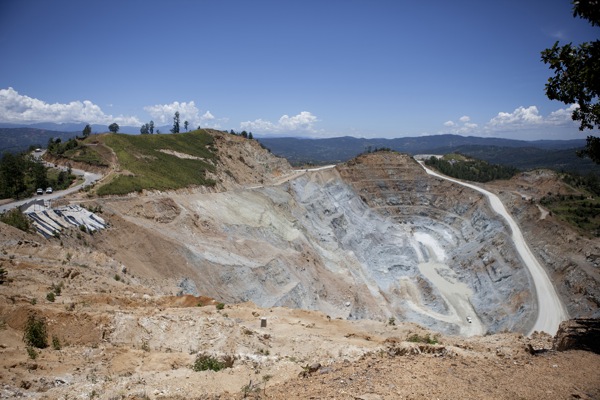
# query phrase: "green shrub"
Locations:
[[427, 339], [36, 334], [205, 362], [57, 289], [56, 343], [220, 306], [17, 219], [32, 353], [51, 297]]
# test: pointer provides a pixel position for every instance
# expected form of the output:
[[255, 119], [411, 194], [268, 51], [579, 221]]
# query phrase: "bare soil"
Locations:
[[118, 341]]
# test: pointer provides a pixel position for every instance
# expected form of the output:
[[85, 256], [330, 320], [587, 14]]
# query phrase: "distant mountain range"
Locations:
[[555, 154], [76, 127], [17, 137]]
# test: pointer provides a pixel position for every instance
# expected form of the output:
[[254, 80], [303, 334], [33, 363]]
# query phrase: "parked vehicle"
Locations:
[[40, 191], [49, 190]]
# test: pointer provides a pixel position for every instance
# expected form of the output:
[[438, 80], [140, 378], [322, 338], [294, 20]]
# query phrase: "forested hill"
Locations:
[[554, 154], [15, 140]]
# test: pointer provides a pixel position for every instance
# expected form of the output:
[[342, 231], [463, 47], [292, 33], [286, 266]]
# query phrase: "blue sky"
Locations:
[[316, 68]]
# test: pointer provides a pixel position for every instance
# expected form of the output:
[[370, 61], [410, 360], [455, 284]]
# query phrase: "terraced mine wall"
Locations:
[[372, 239]]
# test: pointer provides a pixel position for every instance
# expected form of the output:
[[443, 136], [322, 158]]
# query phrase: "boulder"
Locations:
[[578, 334]]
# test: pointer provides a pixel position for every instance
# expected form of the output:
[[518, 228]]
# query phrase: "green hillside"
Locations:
[[145, 164]]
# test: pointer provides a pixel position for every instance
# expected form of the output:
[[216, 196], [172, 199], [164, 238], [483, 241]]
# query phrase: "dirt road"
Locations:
[[551, 311], [88, 179]]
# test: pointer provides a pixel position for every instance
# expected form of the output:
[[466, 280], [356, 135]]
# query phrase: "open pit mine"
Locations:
[[376, 238]]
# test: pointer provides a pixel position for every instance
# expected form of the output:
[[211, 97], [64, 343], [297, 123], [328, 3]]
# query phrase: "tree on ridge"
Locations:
[[576, 77]]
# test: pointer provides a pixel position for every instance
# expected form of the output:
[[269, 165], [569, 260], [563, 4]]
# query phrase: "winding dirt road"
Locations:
[[88, 179], [551, 311]]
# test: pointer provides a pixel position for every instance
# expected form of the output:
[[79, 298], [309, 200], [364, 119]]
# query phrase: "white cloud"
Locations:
[[17, 108], [527, 123], [162, 114], [300, 123], [520, 117], [523, 122], [562, 116], [462, 127]]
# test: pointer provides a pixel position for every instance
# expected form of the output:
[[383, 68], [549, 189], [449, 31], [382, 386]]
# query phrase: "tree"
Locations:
[[12, 175], [244, 134], [576, 77], [175, 128], [114, 127], [147, 129], [250, 136], [185, 125], [39, 174], [86, 131]]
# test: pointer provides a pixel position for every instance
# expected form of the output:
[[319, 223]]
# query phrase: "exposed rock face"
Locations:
[[374, 239], [578, 334], [475, 239], [244, 162]]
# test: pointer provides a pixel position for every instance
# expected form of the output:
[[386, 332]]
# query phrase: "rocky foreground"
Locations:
[[110, 338]]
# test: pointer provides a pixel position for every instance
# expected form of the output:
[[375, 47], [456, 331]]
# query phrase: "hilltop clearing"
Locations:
[[204, 159]]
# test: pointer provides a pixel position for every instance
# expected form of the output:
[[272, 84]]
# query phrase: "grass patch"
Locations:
[[85, 154], [152, 169]]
